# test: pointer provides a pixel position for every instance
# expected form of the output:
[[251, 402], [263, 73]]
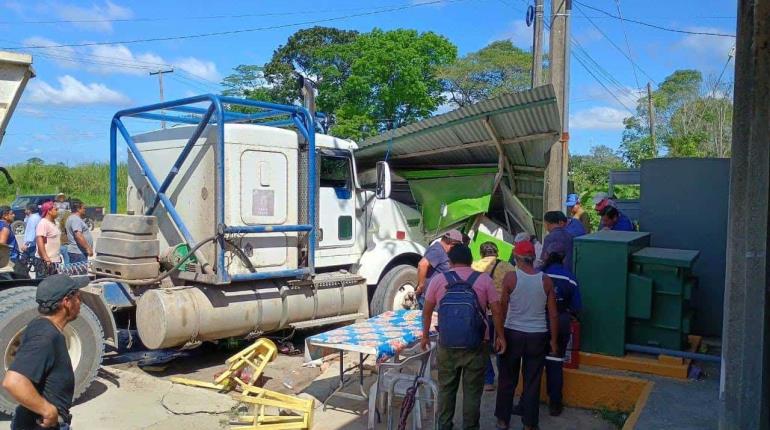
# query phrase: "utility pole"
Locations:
[[537, 50], [651, 118], [160, 73], [745, 385], [556, 170]]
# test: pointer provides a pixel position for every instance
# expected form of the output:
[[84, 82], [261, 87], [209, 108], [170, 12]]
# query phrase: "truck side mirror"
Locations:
[[383, 180]]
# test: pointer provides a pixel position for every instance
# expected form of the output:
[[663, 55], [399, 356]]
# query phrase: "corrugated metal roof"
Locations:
[[526, 123]]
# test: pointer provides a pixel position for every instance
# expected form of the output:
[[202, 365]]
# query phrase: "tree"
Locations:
[[35, 161], [247, 82], [392, 80], [693, 119], [311, 52], [496, 69], [591, 172]]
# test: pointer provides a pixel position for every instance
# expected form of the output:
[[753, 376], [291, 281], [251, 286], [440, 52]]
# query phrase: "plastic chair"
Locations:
[[395, 378]]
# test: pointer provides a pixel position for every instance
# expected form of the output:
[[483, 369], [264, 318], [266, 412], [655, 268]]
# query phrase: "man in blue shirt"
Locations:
[[555, 222], [8, 238], [569, 304], [578, 223], [435, 260], [30, 226], [613, 219]]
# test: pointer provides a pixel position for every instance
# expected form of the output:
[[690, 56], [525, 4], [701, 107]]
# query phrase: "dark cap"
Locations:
[[55, 287]]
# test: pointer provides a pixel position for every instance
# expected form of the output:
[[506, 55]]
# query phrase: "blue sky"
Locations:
[[64, 114]]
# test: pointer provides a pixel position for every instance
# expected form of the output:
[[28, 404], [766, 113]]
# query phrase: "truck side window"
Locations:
[[336, 173]]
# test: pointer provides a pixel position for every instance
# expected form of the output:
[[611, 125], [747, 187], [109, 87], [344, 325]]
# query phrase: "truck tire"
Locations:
[[84, 339], [89, 223], [393, 288], [18, 227]]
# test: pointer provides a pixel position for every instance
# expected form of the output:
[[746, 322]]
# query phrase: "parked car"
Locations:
[[93, 214]]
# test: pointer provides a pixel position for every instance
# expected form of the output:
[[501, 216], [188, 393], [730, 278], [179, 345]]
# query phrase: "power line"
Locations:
[[628, 45], [659, 27], [594, 69], [615, 45], [245, 30]]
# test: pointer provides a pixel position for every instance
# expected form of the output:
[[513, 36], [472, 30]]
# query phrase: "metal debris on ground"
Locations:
[[242, 372]]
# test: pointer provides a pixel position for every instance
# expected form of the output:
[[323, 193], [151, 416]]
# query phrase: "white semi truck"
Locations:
[[234, 227]]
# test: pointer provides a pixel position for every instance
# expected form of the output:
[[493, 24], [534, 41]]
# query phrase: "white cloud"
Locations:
[[94, 18], [625, 99], [598, 118], [63, 56], [705, 50], [119, 59], [518, 33], [202, 69], [73, 92]]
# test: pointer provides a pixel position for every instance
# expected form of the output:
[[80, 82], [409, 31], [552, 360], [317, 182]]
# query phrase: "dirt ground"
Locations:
[[126, 397]]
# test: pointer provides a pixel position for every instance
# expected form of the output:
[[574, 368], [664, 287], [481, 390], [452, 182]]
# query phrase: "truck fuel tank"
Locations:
[[169, 317]]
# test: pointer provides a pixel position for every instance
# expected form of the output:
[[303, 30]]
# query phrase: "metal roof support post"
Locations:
[[503, 162]]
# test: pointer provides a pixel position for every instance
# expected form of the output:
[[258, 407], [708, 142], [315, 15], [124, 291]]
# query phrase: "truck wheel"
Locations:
[[395, 290], [84, 339], [18, 227]]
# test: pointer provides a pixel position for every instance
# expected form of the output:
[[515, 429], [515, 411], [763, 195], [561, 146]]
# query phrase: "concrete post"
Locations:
[[746, 327]]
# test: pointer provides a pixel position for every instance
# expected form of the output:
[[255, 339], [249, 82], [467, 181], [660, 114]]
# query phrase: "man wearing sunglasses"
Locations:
[[41, 377]]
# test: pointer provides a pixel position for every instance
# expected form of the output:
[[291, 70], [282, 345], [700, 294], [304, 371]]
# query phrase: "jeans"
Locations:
[[525, 350], [554, 372], [453, 365], [65, 256]]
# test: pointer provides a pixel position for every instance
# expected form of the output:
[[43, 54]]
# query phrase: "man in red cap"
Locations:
[[48, 234], [527, 293]]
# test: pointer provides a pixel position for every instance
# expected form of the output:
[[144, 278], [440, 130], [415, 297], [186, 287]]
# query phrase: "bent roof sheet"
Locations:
[[527, 123]]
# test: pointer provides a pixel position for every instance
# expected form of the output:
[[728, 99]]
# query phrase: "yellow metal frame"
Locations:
[[261, 399], [257, 356]]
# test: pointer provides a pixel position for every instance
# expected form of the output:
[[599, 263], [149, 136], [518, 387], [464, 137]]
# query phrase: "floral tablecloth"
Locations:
[[384, 336]]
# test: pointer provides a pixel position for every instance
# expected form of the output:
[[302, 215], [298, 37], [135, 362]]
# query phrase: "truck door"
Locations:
[[336, 203]]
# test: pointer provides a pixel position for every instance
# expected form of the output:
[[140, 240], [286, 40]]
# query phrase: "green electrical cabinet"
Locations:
[[669, 271], [602, 265]]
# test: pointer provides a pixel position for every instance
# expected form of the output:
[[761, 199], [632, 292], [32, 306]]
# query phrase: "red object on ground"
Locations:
[[572, 355]]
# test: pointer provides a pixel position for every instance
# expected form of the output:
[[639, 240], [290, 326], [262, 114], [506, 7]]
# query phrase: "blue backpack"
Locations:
[[461, 320]]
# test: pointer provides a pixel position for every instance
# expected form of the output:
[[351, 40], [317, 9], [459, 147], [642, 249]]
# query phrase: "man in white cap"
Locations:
[[435, 260]]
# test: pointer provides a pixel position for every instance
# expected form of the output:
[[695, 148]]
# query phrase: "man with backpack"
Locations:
[[496, 269], [461, 297]]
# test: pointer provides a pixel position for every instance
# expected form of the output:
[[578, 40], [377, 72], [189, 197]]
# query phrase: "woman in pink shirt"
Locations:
[[48, 235]]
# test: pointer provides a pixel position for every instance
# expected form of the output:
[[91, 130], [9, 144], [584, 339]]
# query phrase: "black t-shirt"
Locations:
[[42, 357]]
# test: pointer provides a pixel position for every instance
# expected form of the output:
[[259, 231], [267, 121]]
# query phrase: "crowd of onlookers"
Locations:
[[55, 234], [519, 310]]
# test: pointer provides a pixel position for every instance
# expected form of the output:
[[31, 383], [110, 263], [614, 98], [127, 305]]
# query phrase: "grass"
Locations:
[[616, 418], [88, 182]]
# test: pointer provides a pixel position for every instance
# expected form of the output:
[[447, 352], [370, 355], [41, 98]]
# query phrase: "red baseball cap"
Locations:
[[524, 249], [45, 207]]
